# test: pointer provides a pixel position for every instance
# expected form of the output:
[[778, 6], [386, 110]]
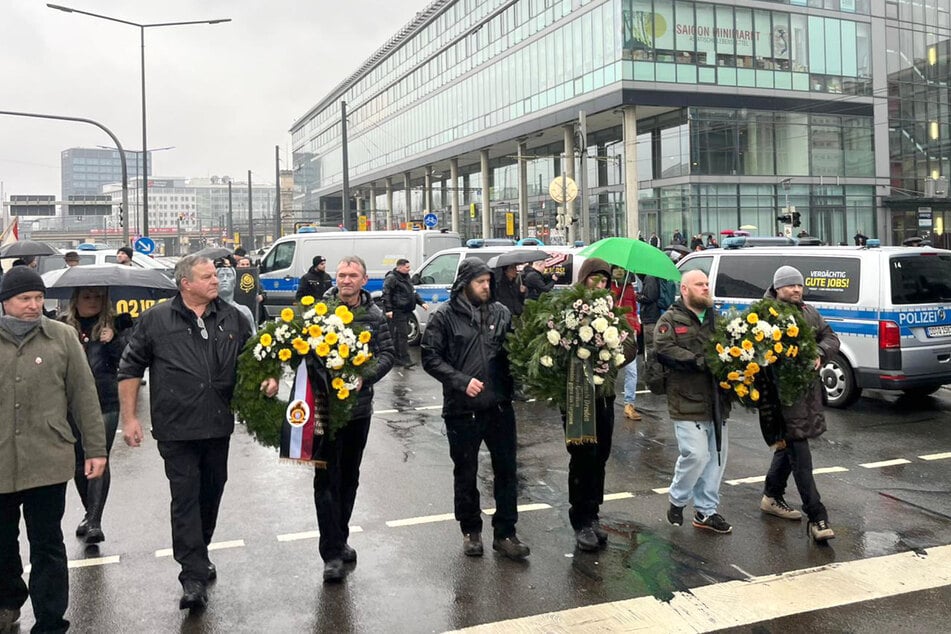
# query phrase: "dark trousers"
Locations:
[[466, 433], [43, 509], [586, 468], [197, 471], [399, 329], [93, 493], [796, 459], [335, 487]]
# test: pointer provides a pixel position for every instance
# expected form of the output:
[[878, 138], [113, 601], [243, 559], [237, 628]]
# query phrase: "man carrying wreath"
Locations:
[[802, 420]]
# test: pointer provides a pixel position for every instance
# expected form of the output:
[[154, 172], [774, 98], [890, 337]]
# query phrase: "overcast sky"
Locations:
[[222, 95]]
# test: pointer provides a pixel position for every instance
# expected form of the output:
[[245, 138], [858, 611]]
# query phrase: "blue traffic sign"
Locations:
[[430, 220], [144, 245]]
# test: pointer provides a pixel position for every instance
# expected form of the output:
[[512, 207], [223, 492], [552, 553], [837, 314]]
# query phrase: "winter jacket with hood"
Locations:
[[399, 294], [463, 342], [314, 283], [804, 418], [536, 283]]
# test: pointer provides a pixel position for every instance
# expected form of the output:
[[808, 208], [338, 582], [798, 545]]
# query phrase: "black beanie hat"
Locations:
[[127, 250], [20, 279]]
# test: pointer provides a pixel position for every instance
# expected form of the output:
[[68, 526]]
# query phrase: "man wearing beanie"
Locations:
[[124, 256], [316, 281], [46, 379], [801, 421]]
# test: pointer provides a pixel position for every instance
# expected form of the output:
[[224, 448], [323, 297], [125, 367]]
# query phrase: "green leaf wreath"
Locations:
[[769, 333], [327, 330]]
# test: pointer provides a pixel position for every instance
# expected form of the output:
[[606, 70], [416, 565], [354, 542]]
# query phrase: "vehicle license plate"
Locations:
[[939, 331]]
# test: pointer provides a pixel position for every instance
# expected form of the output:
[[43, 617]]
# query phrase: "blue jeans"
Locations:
[[697, 474], [630, 382]]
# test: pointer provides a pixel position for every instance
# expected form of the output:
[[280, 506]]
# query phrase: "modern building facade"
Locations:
[[673, 114], [84, 171]]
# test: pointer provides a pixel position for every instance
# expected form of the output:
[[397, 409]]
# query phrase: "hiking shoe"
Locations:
[[630, 413], [713, 522], [586, 539], [820, 531], [675, 514], [777, 506], [599, 532], [512, 548], [472, 544]]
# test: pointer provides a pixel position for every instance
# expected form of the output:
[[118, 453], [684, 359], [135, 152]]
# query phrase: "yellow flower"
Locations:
[[322, 350], [773, 312], [778, 347], [343, 350], [753, 367], [321, 309], [314, 331], [793, 331], [284, 354], [359, 360], [337, 383], [343, 394], [301, 346], [754, 394], [777, 335], [719, 348], [741, 390], [769, 357], [735, 352], [752, 318], [747, 345], [306, 300], [725, 385], [287, 314], [331, 338], [759, 335], [364, 337], [266, 340], [792, 351], [733, 376], [344, 314]]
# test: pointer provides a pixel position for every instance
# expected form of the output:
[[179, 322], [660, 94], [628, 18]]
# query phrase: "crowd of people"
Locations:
[[72, 382]]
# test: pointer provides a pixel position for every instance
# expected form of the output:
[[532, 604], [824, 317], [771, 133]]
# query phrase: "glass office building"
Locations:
[[698, 116], [86, 170]]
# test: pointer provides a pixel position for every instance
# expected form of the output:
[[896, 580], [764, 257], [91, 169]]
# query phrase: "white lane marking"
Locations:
[[293, 537], [387, 411], [522, 508], [618, 496], [741, 571], [661, 491], [83, 563], [235, 543], [750, 480], [426, 407], [937, 456], [737, 603], [885, 463], [829, 470], [445, 517]]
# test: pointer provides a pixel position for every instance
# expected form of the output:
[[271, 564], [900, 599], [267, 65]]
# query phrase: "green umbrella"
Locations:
[[634, 255]]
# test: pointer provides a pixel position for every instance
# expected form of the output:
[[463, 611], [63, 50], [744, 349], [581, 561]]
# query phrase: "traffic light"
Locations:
[[121, 217], [795, 219], [786, 219]]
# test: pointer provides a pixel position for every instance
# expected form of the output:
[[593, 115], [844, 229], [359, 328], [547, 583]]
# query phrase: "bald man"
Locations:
[[695, 403]]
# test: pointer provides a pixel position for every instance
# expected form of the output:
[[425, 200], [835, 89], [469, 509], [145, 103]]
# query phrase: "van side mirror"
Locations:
[[415, 279]]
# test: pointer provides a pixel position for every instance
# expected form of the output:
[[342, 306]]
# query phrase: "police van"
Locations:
[[890, 307], [291, 256]]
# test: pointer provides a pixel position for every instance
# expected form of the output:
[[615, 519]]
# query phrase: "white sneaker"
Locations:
[[778, 507]]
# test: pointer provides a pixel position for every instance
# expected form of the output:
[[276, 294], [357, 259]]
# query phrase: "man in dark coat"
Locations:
[[400, 299], [803, 420], [190, 344], [463, 349], [315, 282], [535, 280], [697, 409], [509, 290]]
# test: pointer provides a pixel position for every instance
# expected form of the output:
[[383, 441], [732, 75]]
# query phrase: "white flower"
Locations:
[[724, 356], [600, 324], [583, 353], [598, 380], [547, 361], [571, 321], [612, 336], [553, 337], [604, 355], [586, 333], [619, 360]]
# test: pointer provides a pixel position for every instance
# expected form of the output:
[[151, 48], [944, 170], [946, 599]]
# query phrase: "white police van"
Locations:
[[291, 256], [890, 307]]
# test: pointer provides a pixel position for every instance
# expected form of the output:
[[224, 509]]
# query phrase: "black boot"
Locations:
[[96, 492]]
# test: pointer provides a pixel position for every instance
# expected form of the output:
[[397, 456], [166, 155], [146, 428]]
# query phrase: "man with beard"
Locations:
[[462, 349], [696, 407], [802, 420]]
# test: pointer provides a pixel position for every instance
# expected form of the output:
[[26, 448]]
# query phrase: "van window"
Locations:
[[436, 242], [697, 264], [921, 279], [826, 279], [442, 270], [280, 257]]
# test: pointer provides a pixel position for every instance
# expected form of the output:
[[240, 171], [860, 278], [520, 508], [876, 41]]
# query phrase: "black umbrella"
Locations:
[[123, 282], [26, 248], [213, 253], [679, 248], [518, 256]]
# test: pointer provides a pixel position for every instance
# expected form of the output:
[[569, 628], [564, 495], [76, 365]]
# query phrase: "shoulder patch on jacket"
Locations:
[[680, 330], [663, 329]]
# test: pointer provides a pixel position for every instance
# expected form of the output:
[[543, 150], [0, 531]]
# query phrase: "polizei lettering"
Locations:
[[921, 317]]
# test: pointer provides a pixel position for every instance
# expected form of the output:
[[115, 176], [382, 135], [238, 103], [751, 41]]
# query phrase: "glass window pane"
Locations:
[[833, 47], [799, 44], [706, 42], [726, 52], [817, 45], [744, 38], [849, 61], [685, 36]]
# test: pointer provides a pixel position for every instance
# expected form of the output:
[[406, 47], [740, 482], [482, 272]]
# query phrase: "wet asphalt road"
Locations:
[[412, 576]]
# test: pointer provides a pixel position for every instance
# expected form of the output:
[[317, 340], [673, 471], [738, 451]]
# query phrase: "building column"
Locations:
[[631, 215], [486, 195], [428, 189], [372, 205], [522, 189], [569, 169], [454, 192], [389, 203], [408, 194]]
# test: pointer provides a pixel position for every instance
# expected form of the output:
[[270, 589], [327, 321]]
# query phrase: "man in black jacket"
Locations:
[[315, 282], [400, 299], [509, 290], [190, 345], [462, 349], [535, 280]]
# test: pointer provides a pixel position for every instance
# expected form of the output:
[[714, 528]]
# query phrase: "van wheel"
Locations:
[[839, 382], [414, 334], [921, 392]]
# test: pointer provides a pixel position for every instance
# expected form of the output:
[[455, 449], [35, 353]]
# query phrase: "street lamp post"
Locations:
[[145, 145]]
